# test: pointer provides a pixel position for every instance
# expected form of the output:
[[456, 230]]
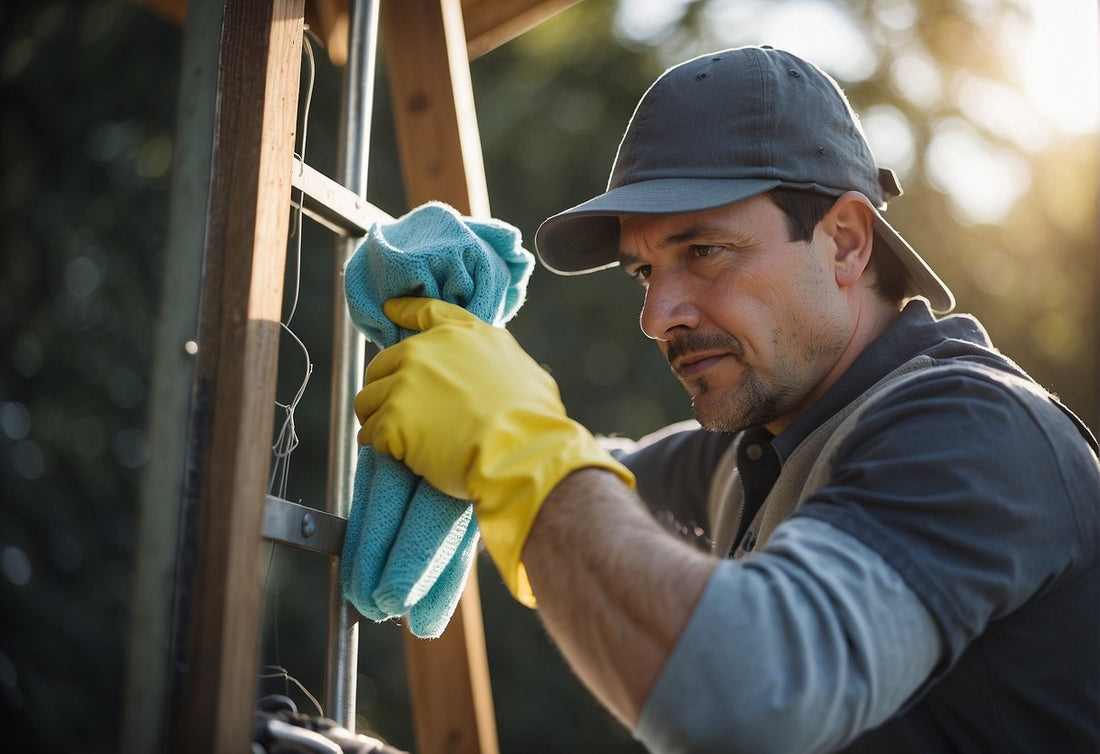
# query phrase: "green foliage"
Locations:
[[89, 92]]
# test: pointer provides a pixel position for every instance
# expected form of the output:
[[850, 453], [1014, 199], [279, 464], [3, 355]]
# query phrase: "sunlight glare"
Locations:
[[1003, 110], [891, 138], [797, 27], [1059, 63], [984, 181], [898, 15], [916, 76], [647, 20]]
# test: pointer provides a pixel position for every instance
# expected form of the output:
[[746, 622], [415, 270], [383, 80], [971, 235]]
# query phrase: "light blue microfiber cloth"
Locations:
[[409, 547]]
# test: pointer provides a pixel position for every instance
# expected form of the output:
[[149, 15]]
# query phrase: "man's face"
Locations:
[[751, 323]]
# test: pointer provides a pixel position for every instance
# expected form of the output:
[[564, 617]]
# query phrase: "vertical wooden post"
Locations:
[[433, 104], [440, 148], [260, 61]]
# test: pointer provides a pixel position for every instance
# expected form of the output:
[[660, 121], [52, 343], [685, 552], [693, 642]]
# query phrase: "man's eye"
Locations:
[[703, 252], [640, 273]]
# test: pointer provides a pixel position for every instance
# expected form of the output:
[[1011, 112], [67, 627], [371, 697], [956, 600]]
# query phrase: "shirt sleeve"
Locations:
[[787, 652], [977, 489]]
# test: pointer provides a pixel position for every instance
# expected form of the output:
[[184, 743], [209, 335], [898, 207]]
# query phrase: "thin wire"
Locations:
[[281, 672], [311, 69], [287, 440], [274, 610]]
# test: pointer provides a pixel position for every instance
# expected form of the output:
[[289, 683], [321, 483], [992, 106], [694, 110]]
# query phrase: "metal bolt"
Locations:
[[309, 525]]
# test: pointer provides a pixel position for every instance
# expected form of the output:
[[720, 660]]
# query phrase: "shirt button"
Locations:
[[754, 452], [749, 541]]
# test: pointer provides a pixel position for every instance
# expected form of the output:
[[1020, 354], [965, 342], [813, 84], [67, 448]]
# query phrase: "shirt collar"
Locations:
[[915, 331]]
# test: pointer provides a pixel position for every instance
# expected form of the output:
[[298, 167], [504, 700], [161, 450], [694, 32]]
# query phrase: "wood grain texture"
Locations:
[[441, 159], [433, 104], [245, 254], [489, 23]]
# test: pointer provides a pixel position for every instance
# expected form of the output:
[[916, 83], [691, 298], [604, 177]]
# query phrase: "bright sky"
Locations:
[[1055, 52]]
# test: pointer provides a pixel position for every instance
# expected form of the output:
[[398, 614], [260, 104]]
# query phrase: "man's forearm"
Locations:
[[614, 589]]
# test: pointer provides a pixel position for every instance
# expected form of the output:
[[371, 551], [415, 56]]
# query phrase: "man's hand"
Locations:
[[462, 405]]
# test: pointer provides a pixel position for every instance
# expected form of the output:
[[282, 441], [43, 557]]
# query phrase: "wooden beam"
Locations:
[[433, 104], [449, 684], [491, 23], [441, 159], [488, 23], [245, 255]]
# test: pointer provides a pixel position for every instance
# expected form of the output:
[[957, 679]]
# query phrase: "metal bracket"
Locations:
[[339, 209], [301, 526]]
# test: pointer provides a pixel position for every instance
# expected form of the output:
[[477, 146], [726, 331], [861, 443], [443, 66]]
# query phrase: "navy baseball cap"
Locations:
[[724, 127]]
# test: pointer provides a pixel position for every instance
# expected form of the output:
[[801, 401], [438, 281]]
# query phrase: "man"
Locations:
[[903, 526]]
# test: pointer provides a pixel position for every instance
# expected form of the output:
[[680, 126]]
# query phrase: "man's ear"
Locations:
[[850, 223]]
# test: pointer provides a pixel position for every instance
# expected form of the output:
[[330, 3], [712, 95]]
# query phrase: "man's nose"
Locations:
[[668, 305]]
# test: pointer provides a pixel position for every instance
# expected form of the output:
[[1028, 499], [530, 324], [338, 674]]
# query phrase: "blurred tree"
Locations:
[[88, 99], [88, 93]]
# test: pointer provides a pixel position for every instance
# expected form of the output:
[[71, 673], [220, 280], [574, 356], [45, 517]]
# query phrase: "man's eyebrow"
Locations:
[[687, 234], [690, 233]]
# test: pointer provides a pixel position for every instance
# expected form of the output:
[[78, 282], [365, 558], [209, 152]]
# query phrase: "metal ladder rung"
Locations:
[[339, 209], [301, 526]]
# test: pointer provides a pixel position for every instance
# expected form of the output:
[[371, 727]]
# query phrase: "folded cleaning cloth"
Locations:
[[409, 547]]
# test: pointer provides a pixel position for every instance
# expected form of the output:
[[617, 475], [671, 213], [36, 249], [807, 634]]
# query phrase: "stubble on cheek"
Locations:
[[749, 402]]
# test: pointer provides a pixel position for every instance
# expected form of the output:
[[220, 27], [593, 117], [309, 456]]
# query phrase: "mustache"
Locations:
[[692, 342]]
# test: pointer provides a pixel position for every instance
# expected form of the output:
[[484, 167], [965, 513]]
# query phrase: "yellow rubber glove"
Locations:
[[462, 405]]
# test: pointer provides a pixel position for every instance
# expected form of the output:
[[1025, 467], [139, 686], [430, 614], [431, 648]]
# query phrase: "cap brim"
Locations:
[[922, 279], [585, 238]]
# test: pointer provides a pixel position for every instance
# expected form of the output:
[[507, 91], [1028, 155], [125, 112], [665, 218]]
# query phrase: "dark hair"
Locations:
[[804, 210]]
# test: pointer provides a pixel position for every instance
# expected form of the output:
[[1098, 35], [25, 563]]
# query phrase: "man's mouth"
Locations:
[[694, 365], [691, 355]]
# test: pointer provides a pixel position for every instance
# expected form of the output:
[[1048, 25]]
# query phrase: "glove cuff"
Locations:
[[511, 490]]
